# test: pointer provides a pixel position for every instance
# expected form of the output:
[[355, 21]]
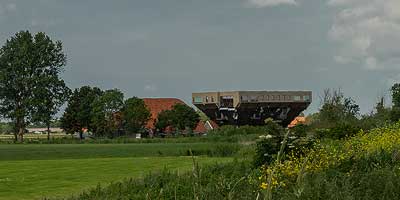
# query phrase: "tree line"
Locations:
[[32, 91]]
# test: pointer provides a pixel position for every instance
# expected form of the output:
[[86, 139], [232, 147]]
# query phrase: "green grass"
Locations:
[[36, 171], [79, 151], [34, 179]]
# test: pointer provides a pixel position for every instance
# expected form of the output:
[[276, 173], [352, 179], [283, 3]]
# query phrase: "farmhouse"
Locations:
[[157, 105]]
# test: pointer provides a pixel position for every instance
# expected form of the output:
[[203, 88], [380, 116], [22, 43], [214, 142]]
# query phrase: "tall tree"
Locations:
[[106, 110], [78, 114], [135, 115], [27, 64]]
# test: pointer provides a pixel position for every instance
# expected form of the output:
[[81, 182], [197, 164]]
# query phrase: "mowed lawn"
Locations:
[[37, 171]]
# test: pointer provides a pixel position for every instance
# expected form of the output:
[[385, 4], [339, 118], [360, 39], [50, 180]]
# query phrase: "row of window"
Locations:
[[275, 98], [211, 99]]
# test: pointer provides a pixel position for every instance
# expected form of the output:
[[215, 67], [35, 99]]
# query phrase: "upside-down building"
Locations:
[[252, 107]]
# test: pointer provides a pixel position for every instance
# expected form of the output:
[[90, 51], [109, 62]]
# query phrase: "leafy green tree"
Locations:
[[181, 117], [49, 97], [105, 113], [184, 117], [164, 119], [135, 115], [27, 64], [78, 114]]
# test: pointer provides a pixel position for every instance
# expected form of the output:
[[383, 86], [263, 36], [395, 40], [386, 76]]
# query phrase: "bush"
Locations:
[[230, 130], [218, 181], [339, 131]]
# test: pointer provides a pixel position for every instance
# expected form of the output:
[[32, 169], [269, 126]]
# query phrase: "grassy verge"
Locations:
[[34, 179], [78, 151]]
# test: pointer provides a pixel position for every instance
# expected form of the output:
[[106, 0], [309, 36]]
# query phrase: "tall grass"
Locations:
[[215, 182]]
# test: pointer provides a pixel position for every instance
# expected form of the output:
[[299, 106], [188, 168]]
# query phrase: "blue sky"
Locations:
[[170, 48]]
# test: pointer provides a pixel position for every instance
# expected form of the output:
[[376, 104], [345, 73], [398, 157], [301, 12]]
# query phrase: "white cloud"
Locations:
[[367, 32], [266, 3]]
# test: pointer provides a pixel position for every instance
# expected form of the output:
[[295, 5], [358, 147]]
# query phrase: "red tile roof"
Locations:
[[156, 105], [203, 128]]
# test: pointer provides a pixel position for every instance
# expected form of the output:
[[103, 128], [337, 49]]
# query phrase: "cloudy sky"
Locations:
[[170, 48]]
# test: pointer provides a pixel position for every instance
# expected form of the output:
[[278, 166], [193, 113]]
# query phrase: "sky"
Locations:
[[171, 48]]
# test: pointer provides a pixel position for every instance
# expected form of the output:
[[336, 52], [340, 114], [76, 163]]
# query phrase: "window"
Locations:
[[197, 100], [287, 97], [306, 98], [245, 98], [253, 98], [206, 99], [277, 97], [212, 99], [272, 97], [260, 98], [297, 98]]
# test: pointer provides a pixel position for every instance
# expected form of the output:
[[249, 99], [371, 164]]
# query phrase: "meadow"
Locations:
[[32, 171]]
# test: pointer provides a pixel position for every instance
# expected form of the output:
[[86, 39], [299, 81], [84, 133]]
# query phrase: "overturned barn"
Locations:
[[252, 107]]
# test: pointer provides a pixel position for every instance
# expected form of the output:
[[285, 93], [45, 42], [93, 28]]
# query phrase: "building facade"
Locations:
[[252, 107]]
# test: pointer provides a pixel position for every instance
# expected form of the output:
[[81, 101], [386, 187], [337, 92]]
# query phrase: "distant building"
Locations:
[[44, 130], [252, 107], [156, 106], [205, 126]]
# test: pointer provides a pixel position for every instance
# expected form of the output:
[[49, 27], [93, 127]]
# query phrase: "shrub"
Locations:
[[218, 181]]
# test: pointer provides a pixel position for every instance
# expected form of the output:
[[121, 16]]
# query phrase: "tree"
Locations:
[[337, 109], [396, 95], [49, 97], [78, 114], [27, 64], [105, 111], [164, 119], [395, 112], [184, 117], [135, 115], [181, 117]]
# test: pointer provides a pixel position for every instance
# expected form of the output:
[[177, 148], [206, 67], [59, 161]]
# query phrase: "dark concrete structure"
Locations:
[[252, 107]]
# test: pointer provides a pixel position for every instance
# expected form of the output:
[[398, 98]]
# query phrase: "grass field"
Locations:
[[78, 151], [37, 171]]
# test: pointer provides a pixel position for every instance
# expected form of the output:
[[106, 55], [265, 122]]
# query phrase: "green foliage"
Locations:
[[6, 128], [229, 130], [336, 109], [339, 131], [379, 184], [78, 114], [266, 150], [106, 113], [396, 95], [218, 181], [30, 86], [86, 151], [164, 119], [180, 117], [135, 115]]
